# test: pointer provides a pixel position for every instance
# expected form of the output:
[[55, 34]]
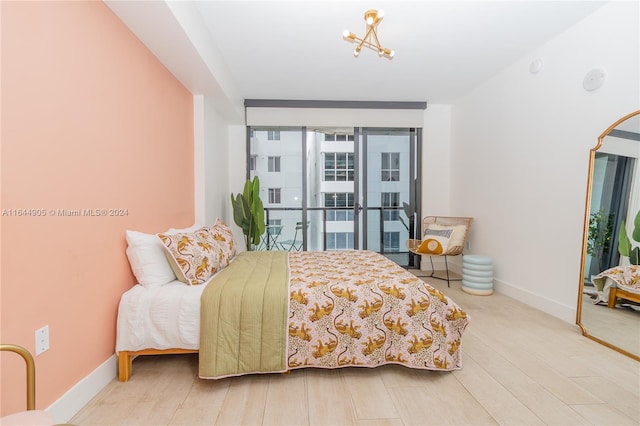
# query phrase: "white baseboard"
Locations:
[[551, 307], [79, 395]]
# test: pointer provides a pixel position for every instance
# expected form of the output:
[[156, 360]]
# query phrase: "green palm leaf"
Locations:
[[248, 212]]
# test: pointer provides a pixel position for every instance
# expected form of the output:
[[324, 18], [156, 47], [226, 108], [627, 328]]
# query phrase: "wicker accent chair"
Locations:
[[440, 222]]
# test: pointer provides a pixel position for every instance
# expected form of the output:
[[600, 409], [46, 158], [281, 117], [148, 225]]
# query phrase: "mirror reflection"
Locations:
[[609, 301]]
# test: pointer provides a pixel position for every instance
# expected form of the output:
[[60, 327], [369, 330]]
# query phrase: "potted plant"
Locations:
[[600, 236], [624, 242], [248, 212]]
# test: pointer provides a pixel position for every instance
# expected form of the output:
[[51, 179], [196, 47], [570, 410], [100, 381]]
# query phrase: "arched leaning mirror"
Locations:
[[609, 296]]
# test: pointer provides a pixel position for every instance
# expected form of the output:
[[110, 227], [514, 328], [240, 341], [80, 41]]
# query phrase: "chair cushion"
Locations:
[[28, 418], [435, 241]]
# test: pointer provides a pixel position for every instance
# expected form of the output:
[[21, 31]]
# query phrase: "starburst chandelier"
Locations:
[[372, 18]]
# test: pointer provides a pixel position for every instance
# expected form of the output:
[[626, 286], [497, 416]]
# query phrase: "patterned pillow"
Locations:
[[194, 256], [222, 234], [435, 241]]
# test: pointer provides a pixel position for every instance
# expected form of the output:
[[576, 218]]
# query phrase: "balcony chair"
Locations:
[[31, 416], [441, 236], [269, 239], [294, 244]]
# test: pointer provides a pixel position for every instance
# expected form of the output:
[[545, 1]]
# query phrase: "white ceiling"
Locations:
[[295, 50]]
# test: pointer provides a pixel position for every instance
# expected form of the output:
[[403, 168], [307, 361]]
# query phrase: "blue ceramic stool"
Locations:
[[477, 275]]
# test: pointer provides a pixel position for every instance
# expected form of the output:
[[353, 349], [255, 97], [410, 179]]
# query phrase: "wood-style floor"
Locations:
[[520, 367]]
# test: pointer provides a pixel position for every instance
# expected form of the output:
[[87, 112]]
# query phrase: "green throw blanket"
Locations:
[[243, 317]]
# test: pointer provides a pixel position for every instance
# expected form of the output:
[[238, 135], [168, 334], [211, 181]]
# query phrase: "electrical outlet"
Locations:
[[42, 340]]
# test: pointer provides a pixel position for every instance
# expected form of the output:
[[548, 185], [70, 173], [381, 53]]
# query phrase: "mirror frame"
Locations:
[[585, 237]]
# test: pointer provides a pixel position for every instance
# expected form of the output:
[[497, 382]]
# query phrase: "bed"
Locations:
[[621, 282], [275, 311]]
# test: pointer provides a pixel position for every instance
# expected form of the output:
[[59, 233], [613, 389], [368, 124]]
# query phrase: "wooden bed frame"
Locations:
[[125, 359], [615, 292]]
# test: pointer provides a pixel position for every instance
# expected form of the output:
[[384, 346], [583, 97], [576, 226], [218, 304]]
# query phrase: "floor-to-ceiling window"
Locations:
[[389, 185], [276, 157], [337, 188]]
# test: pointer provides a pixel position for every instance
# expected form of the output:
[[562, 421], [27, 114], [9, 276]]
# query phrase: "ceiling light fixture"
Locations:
[[372, 18]]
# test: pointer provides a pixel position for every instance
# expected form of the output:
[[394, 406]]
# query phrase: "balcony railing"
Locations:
[[285, 229]]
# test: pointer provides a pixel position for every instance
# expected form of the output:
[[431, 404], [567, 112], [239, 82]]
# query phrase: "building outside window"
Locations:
[[273, 135], [341, 199], [252, 162], [274, 195], [337, 137], [391, 199], [344, 199], [391, 241], [339, 240], [338, 166], [274, 164], [390, 167], [339, 215]]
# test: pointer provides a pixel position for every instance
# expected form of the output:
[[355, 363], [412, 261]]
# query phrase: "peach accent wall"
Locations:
[[90, 120]]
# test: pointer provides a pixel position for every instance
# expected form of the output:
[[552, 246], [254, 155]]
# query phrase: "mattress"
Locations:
[[162, 317]]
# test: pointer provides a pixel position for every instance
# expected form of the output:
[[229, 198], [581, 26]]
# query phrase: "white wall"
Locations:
[[211, 167], [520, 149], [216, 166], [237, 173], [436, 170], [436, 160]]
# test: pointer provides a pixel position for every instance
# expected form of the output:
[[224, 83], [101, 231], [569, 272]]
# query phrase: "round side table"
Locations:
[[477, 275]]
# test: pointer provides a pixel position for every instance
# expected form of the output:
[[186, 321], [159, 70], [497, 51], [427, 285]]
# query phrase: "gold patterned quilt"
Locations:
[[358, 308], [345, 308]]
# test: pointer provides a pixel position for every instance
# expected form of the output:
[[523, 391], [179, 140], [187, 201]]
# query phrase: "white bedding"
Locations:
[[162, 317]]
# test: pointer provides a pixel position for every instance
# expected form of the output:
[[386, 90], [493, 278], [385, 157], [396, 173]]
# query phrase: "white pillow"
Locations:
[[147, 258]]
